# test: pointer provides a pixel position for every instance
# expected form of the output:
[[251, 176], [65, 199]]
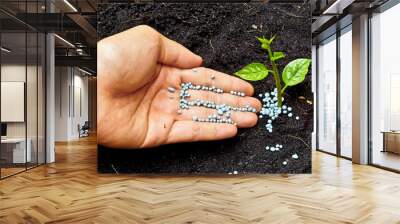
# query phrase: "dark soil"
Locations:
[[223, 35]]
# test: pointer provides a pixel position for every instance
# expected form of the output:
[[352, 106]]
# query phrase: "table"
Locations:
[[19, 155], [391, 141]]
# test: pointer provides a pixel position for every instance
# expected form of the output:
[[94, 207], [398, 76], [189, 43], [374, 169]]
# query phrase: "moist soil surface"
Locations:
[[224, 35]]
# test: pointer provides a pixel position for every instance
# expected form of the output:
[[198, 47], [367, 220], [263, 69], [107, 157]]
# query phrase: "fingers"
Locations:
[[174, 54], [225, 98], [189, 131], [242, 119], [209, 77]]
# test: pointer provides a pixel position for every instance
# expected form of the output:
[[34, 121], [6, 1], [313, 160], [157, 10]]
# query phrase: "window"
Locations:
[[326, 106], [385, 89], [334, 106], [346, 92]]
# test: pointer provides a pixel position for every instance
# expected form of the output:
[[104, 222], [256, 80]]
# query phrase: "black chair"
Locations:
[[84, 130]]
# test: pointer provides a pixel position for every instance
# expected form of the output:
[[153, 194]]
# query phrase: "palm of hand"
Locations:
[[135, 108]]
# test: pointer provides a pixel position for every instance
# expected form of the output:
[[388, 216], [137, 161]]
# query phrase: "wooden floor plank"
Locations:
[[71, 191]]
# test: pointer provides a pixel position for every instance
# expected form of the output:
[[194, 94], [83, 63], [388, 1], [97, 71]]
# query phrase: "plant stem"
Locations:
[[276, 77], [283, 89]]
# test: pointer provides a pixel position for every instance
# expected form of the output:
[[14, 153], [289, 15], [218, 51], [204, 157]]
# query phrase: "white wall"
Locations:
[[62, 81], [33, 127], [81, 103], [71, 94], [16, 72]]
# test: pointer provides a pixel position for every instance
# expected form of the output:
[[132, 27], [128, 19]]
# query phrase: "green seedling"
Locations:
[[293, 74]]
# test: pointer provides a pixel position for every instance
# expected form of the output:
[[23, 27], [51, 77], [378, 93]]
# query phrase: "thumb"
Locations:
[[176, 55]]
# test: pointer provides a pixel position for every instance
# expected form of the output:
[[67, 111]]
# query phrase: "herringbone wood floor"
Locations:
[[71, 191]]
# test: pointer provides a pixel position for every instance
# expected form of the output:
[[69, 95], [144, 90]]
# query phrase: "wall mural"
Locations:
[[163, 109]]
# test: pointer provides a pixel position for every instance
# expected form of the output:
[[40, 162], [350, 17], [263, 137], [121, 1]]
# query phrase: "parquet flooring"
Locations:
[[11, 170], [71, 191]]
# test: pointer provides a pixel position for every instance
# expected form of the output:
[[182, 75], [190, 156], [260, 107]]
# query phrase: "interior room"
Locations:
[[48, 83], [48, 150], [22, 99]]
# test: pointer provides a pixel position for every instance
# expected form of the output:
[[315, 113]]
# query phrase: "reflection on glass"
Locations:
[[346, 93], [32, 84], [31, 100], [385, 89], [327, 96]]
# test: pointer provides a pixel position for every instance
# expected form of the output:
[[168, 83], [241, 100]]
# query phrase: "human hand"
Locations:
[[140, 73]]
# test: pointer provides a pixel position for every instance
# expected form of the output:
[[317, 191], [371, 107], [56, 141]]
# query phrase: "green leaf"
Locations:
[[272, 39], [263, 40], [253, 72], [277, 55], [296, 71], [265, 43]]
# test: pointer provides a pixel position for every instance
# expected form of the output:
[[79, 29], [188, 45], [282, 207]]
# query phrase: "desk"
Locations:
[[391, 141], [18, 151]]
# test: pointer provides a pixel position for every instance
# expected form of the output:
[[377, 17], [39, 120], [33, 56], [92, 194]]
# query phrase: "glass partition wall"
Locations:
[[22, 88], [334, 94], [13, 89]]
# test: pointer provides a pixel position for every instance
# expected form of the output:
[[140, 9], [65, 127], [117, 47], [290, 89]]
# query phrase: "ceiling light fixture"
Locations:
[[79, 51], [84, 71], [5, 50], [70, 5], [65, 41], [338, 6]]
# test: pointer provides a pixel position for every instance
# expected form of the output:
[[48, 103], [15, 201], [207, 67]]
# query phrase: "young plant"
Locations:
[[293, 74]]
